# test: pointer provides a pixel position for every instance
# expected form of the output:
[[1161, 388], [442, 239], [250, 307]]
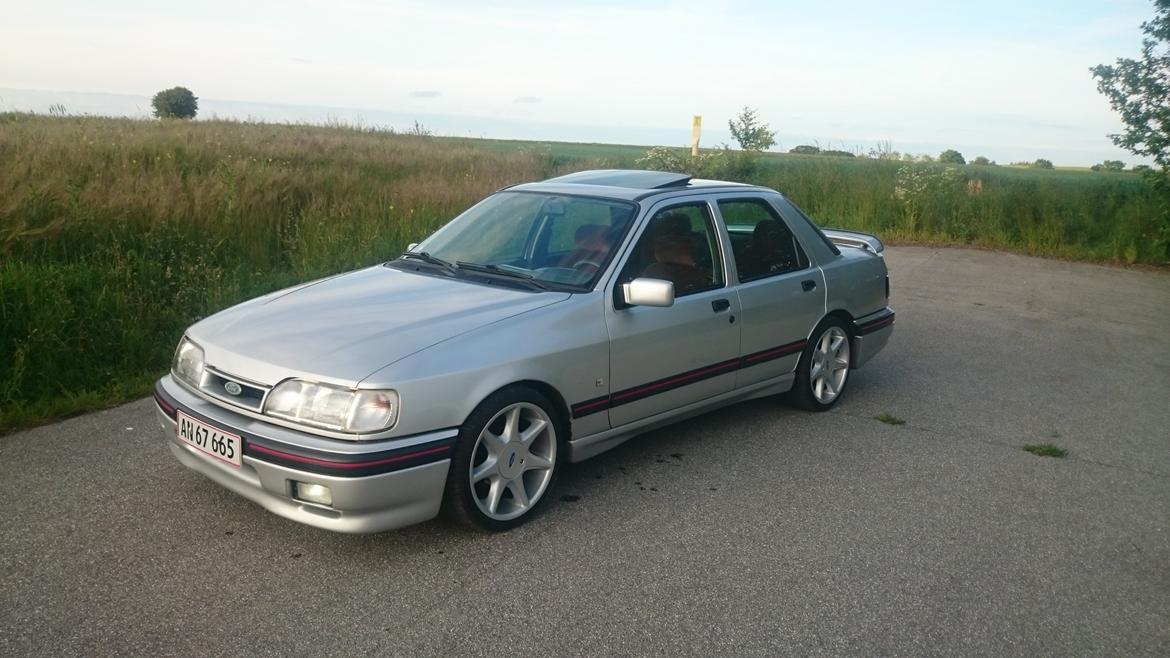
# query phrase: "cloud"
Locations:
[[425, 93], [526, 99]]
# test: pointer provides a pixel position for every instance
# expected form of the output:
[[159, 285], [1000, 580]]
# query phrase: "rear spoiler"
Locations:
[[854, 239]]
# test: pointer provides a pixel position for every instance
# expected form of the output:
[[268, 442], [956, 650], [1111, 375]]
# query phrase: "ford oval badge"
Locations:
[[233, 388]]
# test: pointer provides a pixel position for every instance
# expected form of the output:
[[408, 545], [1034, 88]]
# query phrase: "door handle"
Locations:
[[808, 285], [720, 305]]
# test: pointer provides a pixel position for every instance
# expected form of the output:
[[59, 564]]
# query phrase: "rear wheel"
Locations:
[[505, 460], [823, 370]]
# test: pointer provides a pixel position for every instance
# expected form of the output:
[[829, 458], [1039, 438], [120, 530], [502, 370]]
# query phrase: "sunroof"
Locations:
[[631, 178]]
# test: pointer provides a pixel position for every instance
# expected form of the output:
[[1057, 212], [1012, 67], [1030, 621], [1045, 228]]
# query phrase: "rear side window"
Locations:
[[762, 243]]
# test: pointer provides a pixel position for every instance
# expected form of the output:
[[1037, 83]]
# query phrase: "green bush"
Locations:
[[175, 103], [951, 156]]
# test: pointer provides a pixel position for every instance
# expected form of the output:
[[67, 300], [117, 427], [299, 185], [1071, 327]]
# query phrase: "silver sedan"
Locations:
[[546, 324]]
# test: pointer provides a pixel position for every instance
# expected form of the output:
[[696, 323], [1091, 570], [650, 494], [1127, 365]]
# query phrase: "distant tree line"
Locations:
[[808, 149]]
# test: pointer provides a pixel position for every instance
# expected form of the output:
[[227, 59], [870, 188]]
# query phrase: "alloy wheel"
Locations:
[[829, 365], [512, 461]]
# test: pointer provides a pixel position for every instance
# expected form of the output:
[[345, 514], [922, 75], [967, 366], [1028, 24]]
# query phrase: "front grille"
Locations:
[[233, 390]]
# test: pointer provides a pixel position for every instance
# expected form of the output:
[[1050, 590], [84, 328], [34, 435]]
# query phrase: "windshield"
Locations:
[[565, 240]]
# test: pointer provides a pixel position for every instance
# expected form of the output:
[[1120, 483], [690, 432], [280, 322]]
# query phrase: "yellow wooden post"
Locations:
[[696, 130]]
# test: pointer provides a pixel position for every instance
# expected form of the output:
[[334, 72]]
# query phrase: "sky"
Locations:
[[1005, 79]]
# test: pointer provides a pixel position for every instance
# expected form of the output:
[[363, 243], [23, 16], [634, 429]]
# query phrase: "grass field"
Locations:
[[115, 234]]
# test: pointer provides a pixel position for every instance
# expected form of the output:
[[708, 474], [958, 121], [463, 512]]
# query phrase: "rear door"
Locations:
[[782, 294], [665, 358]]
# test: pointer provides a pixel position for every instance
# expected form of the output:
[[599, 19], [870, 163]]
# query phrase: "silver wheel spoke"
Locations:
[[819, 387], [512, 426], [816, 372], [536, 462], [519, 495], [533, 431], [835, 344], [840, 363], [483, 470], [828, 382], [493, 442], [494, 494]]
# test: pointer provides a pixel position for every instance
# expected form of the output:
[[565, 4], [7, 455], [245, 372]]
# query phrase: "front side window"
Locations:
[[761, 241], [679, 245]]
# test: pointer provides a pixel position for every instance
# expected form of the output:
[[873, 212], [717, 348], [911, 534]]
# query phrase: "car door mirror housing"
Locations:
[[648, 292]]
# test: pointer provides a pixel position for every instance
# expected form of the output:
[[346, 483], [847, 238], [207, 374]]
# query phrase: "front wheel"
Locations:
[[823, 370], [505, 461]]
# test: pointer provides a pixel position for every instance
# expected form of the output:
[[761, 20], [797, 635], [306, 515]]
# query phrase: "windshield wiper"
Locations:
[[499, 271], [429, 259]]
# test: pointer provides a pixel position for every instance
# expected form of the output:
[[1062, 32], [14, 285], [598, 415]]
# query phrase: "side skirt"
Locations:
[[595, 444]]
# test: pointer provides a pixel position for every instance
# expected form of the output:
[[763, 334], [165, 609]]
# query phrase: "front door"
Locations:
[[663, 358]]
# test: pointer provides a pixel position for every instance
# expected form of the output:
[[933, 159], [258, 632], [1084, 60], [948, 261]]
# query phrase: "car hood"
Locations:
[[342, 329]]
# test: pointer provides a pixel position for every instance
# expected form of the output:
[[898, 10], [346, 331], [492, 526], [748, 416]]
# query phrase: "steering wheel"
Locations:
[[587, 264]]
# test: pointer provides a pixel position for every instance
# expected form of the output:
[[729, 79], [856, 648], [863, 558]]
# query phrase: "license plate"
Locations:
[[209, 440]]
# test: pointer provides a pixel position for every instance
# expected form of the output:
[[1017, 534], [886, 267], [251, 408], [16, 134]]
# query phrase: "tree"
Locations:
[[751, 134], [805, 149], [951, 156], [1109, 165], [980, 160], [1140, 91], [175, 103], [1042, 163]]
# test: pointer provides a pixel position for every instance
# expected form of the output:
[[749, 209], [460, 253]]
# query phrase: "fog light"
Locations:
[[314, 493]]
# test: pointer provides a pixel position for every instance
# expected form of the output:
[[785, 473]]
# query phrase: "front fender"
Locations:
[[564, 345]]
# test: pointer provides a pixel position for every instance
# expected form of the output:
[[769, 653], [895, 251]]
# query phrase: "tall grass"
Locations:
[[115, 234], [1068, 214]]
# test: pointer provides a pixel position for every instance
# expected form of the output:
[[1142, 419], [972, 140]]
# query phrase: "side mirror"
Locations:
[[648, 292], [411, 246]]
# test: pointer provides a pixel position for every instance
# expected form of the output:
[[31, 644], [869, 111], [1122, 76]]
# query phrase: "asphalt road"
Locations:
[[757, 529]]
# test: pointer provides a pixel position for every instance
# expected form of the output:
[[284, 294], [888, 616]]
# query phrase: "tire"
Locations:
[[506, 460], [829, 348]]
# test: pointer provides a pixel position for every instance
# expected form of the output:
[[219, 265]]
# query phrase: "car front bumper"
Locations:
[[375, 486]]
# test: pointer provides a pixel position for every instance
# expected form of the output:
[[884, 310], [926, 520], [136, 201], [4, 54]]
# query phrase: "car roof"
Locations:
[[626, 184]]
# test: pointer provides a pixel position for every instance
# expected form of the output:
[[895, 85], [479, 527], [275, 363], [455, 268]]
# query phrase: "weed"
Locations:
[[889, 419], [1045, 450]]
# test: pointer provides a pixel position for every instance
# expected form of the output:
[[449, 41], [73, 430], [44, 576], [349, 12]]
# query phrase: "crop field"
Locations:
[[115, 234]]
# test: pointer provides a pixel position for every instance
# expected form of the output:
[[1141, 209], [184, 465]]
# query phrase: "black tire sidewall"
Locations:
[[458, 497]]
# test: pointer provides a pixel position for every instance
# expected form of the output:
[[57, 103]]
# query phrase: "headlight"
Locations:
[[188, 364], [333, 407]]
